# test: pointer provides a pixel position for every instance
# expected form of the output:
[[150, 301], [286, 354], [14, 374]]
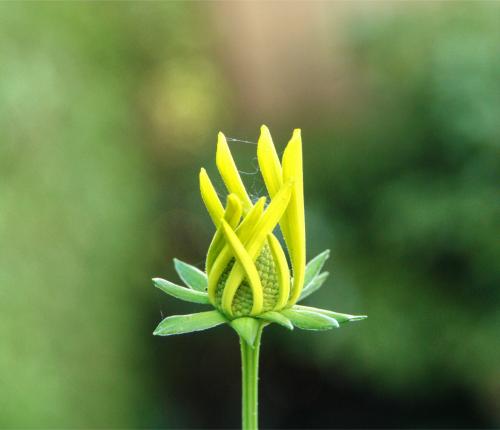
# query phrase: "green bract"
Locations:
[[303, 317]]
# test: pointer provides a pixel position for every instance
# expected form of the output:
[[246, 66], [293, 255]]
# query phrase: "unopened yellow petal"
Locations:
[[251, 219], [251, 273], [270, 168], [269, 219], [243, 232], [295, 220], [282, 270], [229, 172], [233, 211], [256, 239], [269, 162], [210, 198], [232, 216]]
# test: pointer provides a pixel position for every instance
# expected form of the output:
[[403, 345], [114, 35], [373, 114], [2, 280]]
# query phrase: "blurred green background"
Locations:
[[107, 112]]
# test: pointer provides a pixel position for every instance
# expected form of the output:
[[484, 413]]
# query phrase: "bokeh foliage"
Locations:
[[415, 201], [106, 113]]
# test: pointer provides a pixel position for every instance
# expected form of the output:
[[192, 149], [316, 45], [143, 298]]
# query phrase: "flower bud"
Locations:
[[247, 268]]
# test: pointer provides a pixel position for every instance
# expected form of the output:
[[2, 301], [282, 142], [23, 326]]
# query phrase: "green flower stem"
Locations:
[[250, 382]]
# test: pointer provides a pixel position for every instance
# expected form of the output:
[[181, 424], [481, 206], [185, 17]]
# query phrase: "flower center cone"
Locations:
[[242, 302]]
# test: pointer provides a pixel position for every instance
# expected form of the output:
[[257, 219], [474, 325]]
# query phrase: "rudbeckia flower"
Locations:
[[251, 277]]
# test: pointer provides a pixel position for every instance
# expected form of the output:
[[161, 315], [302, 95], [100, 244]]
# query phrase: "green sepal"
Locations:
[[313, 278], [192, 276], [181, 293], [341, 318], [179, 324], [315, 265], [247, 328], [314, 285], [276, 317], [310, 320]]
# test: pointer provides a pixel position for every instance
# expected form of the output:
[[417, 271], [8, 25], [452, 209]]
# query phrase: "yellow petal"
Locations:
[[270, 219], [256, 239], [233, 211], [270, 168], [243, 232], [269, 162], [251, 219], [250, 271], [229, 172], [232, 216], [210, 198], [295, 231], [282, 269]]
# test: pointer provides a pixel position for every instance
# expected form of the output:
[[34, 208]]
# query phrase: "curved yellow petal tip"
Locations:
[[269, 162], [229, 172], [210, 197], [265, 137], [222, 145], [233, 200], [297, 133]]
